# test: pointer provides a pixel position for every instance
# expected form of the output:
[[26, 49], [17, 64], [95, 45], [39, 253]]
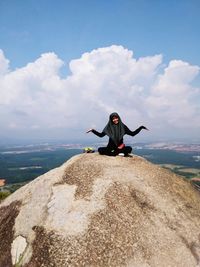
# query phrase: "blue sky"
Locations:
[[43, 61], [69, 28]]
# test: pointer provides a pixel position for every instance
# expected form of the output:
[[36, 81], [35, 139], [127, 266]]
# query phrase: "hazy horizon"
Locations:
[[88, 141]]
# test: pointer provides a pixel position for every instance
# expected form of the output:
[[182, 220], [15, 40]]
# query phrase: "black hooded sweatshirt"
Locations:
[[115, 132]]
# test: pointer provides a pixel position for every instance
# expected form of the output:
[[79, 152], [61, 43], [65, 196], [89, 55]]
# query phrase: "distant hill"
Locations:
[[102, 211]]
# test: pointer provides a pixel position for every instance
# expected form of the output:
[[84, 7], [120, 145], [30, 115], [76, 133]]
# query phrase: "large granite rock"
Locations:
[[102, 211]]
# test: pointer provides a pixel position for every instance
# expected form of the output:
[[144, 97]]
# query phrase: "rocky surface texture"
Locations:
[[102, 211]]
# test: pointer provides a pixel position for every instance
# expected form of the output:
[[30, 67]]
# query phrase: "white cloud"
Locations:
[[172, 96], [104, 80], [4, 64]]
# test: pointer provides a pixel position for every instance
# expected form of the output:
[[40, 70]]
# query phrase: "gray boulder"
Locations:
[[102, 211]]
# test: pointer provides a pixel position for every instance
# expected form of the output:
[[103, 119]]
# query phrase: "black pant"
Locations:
[[109, 152]]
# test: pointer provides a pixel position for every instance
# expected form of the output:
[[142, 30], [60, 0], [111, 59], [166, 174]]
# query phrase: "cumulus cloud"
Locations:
[[4, 64], [172, 96], [37, 98]]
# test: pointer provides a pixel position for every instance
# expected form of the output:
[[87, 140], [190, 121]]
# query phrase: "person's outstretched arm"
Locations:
[[96, 132], [133, 133]]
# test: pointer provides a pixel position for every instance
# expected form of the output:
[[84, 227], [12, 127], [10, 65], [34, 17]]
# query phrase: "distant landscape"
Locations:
[[20, 164]]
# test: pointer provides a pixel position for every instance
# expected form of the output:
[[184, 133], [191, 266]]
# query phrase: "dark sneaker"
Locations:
[[128, 155]]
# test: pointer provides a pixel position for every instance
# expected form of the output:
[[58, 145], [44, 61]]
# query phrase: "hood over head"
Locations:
[[115, 131]]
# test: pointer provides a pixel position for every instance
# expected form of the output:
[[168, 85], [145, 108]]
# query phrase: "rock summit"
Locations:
[[102, 211]]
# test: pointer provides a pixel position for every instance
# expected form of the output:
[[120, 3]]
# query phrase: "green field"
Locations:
[[181, 170], [19, 168]]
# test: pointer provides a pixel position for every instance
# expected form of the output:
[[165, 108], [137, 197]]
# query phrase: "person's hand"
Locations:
[[89, 130], [121, 146], [145, 128]]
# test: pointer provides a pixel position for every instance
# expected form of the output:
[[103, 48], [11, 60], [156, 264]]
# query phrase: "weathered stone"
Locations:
[[102, 211], [18, 247]]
